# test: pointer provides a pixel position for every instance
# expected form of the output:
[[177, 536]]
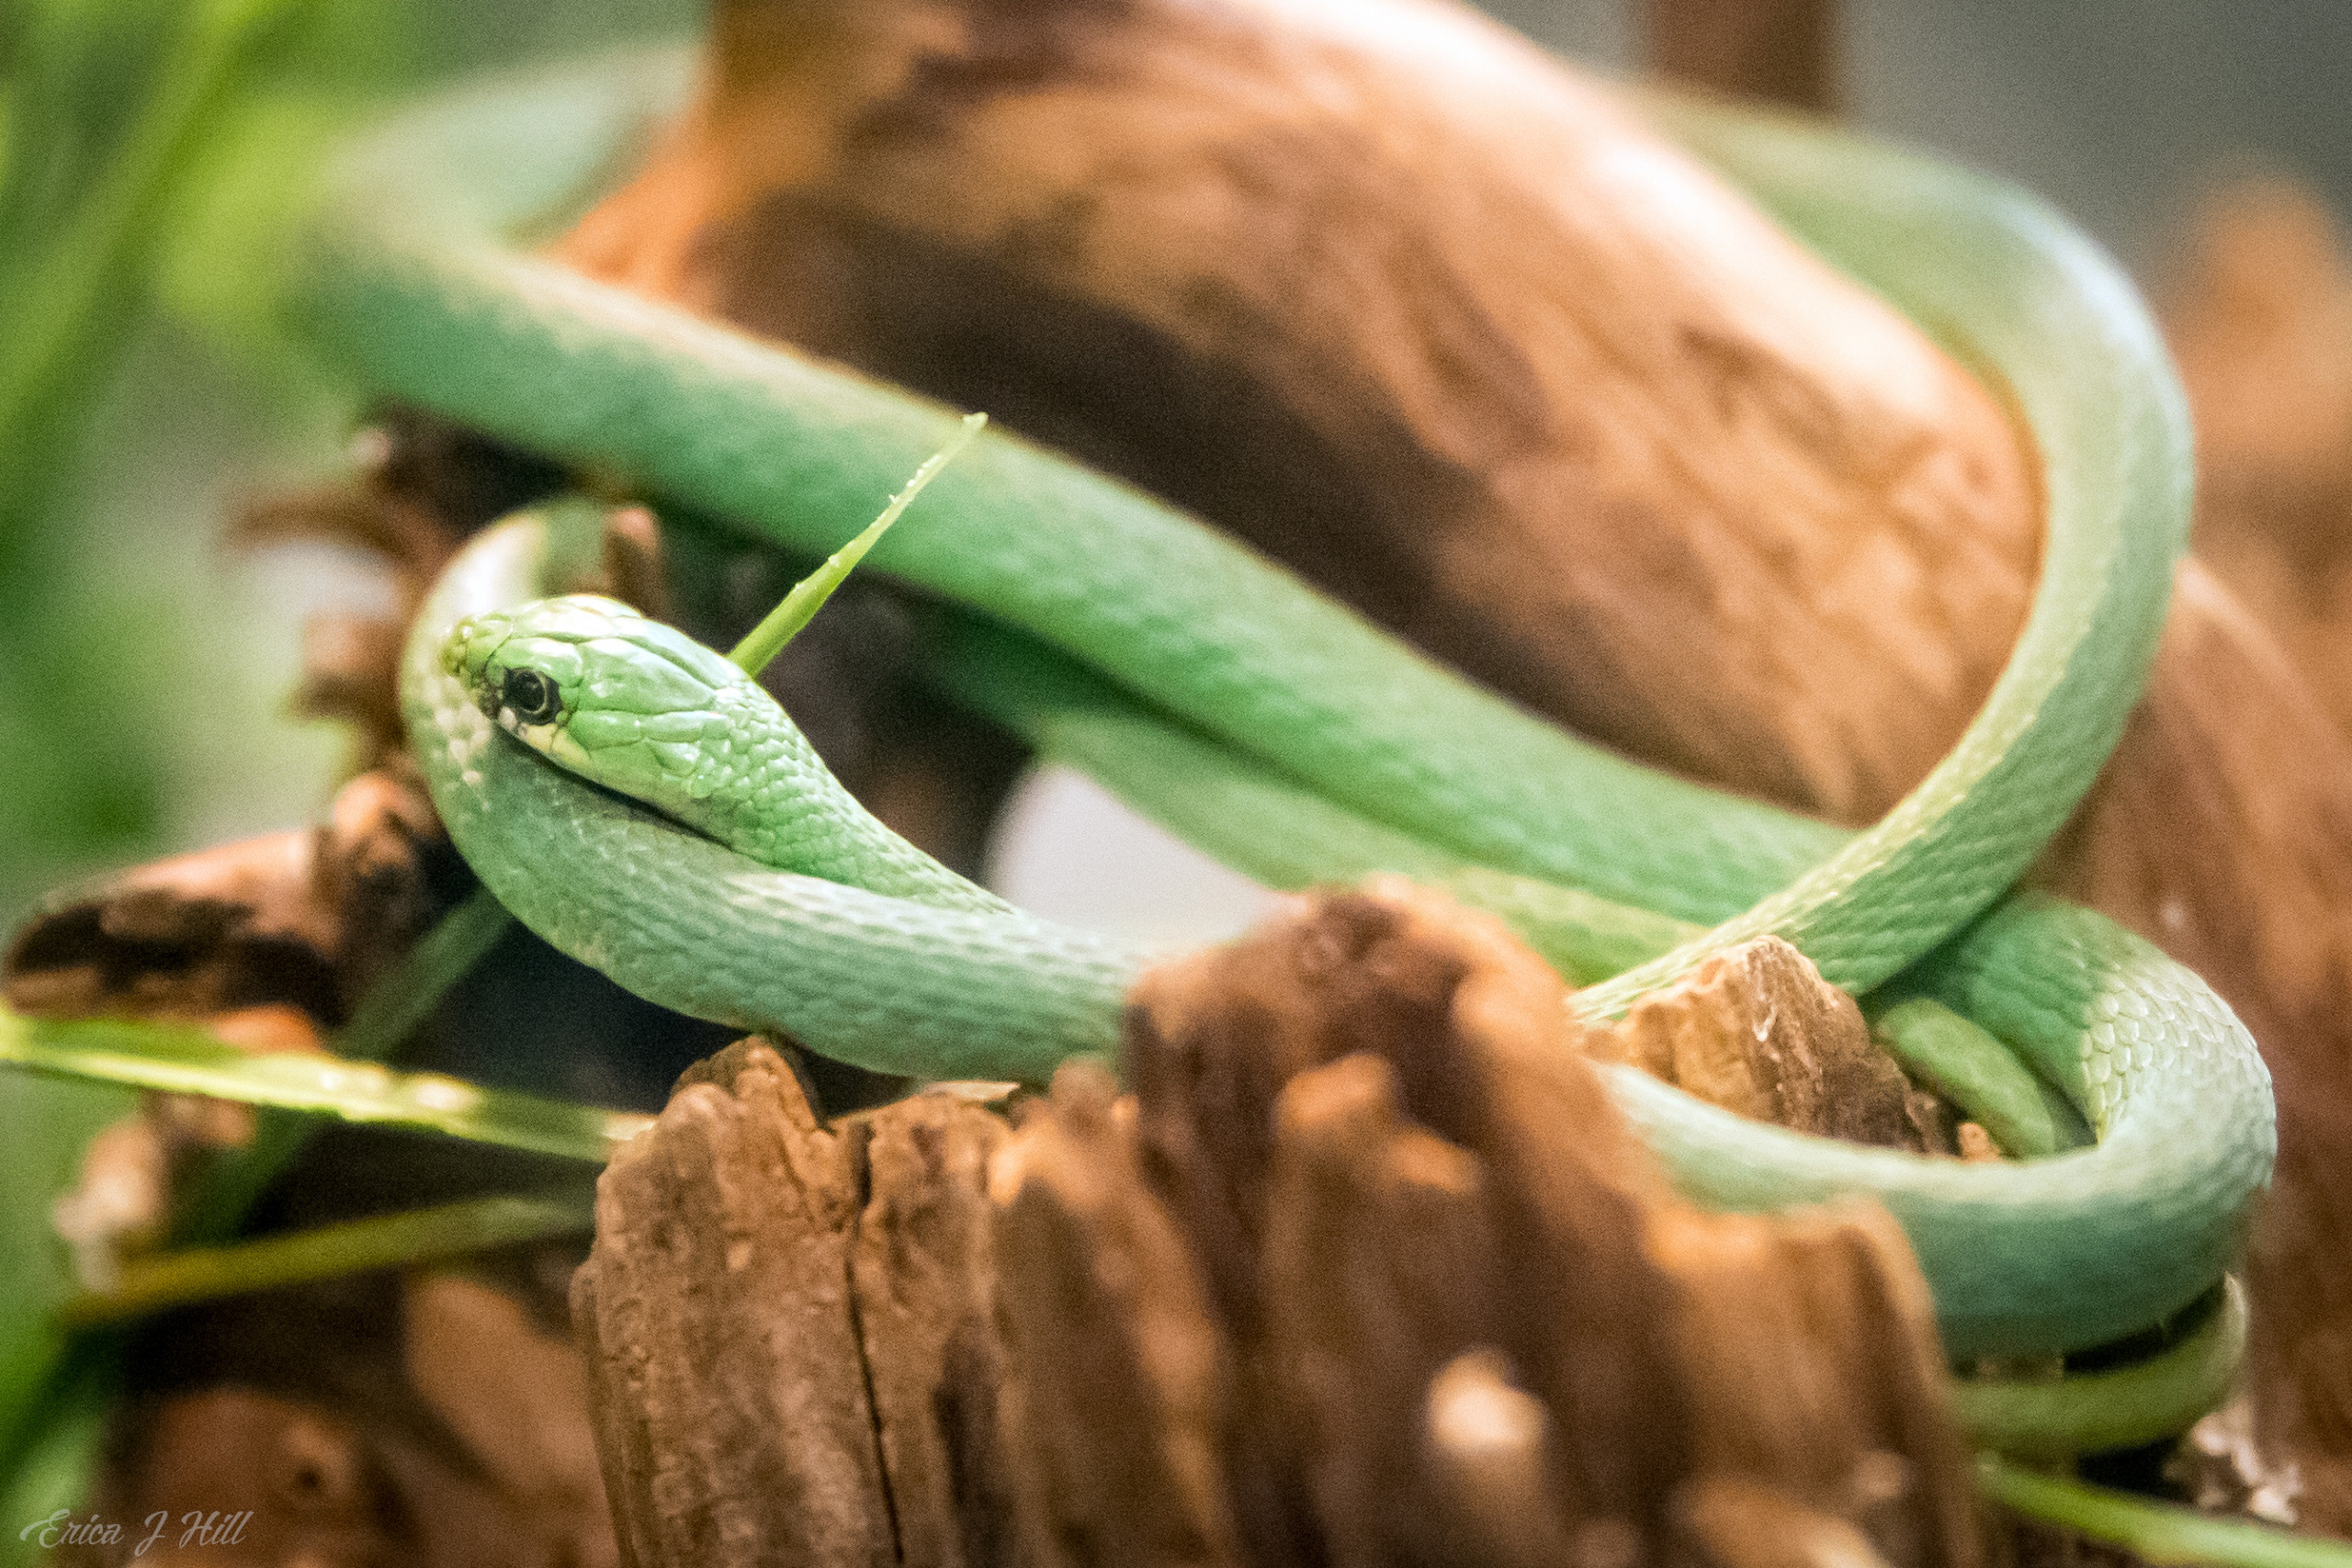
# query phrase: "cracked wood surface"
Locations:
[[2224, 829], [1380, 306], [1366, 1269]]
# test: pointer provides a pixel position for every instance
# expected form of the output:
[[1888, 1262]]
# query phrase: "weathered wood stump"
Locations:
[[1366, 1268], [1356, 1271]]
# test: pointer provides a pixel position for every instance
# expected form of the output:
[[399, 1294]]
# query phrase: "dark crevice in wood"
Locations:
[[856, 1139]]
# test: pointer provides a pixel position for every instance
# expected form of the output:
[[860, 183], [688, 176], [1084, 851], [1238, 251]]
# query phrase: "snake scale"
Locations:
[[1131, 638]]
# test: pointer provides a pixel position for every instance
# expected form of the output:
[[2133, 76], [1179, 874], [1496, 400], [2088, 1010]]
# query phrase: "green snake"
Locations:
[[1295, 740]]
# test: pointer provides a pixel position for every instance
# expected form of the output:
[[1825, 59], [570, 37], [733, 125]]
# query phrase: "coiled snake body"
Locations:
[[1139, 641]]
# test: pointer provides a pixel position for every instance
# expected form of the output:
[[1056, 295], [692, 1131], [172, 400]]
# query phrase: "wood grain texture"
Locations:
[[1412, 1294], [1453, 1211], [1124, 1381], [1390, 295], [732, 1416], [1757, 1030], [923, 1277]]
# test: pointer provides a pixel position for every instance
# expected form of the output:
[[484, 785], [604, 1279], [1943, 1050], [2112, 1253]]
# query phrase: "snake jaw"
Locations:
[[552, 741]]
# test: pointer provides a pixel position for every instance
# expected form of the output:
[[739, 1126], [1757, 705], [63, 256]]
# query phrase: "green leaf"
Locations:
[[2160, 1532], [179, 1060], [781, 625], [380, 1241]]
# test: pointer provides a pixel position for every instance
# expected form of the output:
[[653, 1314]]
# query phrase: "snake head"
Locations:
[[596, 688]]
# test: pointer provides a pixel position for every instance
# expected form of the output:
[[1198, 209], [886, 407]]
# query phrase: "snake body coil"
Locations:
[[404, 279]]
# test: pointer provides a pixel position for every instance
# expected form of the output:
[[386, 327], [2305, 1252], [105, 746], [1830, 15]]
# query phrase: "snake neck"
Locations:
[[759, 787]]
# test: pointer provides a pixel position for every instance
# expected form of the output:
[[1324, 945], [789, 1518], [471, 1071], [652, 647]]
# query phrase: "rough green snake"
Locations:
[[1216, 690]]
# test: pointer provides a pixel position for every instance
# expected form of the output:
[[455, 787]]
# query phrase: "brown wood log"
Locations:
[[922, 1277], [732, 1412], [1123, 1379], [1413, 1294], [1381, 1267], [1385, 293], [1440, 328]]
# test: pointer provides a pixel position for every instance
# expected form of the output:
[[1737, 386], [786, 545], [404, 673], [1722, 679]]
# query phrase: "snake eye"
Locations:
[[531, 695]]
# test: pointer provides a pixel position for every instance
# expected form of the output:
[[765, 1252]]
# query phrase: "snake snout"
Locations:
[[465, 664]]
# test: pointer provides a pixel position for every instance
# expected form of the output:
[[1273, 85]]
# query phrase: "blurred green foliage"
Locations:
[[140, 392], [143, 144]]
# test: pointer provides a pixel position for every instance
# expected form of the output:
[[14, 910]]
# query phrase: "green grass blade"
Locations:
[[180, 1060], [49, 1470], [397, 1004], [2160, 1532], [382, 1241], [764, 641]]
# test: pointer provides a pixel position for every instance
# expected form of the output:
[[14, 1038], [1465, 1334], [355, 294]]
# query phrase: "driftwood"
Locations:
[[1757, 1031], [1371, 287], [1387, 293], [1342, 294], [725, 1260], [1366, 1269], [306, 918]]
